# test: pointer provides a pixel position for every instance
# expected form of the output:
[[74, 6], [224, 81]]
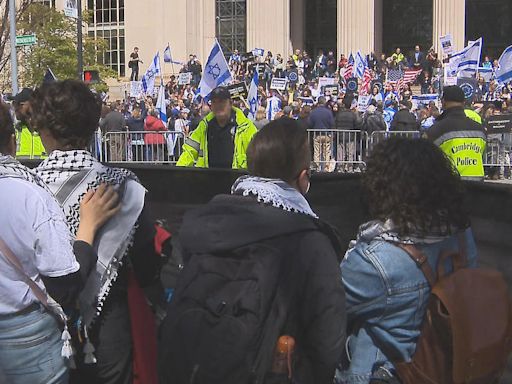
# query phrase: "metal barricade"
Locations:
[[377, 136], [142, 147], [497, 156], [337, 150]]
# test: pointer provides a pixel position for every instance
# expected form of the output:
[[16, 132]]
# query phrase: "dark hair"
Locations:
[[279, 150], [413, 183], [68, 110], [6, 126]]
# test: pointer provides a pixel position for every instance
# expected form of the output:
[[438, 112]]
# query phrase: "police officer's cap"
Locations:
[[453, 93], [24, 95], [220, 93]]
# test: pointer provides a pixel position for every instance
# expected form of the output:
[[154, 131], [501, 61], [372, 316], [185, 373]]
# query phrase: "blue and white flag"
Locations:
[[167, 54], [359, 65], [252, 96], [148, 80], [504, 71], [465, 63], [258, 52], [161, 107], [216, 71], [486, 73]]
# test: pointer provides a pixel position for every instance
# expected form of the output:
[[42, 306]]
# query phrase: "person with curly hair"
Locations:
[[415, 197], [114, 320]]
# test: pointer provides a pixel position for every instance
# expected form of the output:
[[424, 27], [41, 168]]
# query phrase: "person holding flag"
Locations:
[[504, 70], [221, 138]]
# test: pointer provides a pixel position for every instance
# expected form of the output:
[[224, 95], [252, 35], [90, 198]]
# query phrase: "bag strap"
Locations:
[[421, 261], [46, 300]]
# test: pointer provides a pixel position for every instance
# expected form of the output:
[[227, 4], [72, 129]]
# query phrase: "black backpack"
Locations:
[[225, 318]]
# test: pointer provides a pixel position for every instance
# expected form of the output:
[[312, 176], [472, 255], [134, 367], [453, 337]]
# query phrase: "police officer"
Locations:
[[221, 138], [462, 139], [29, 145]]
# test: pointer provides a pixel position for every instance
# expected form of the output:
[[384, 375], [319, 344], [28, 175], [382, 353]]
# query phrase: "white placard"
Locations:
[[136, 89], [449, 78], [323, 81], [71, 8], [184, 78], [363, 102], [279, 84], [447, 44]]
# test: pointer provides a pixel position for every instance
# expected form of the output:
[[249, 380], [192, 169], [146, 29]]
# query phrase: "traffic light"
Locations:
[[91, 77]]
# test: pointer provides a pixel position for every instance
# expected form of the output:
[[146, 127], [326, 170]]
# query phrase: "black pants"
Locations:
[[135, 74], [111, 336]]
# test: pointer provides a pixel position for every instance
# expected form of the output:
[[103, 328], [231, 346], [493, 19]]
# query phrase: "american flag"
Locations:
[[395, 77], [367, 79], [410, 75], [399, 78], [349, 68]]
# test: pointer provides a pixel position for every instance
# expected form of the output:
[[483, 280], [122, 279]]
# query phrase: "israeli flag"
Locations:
[[148, 80], [252, 97], [161, 107], [465, 63], [167, 54], [504, 71], [216, 71], [258, 52], [359, 65]]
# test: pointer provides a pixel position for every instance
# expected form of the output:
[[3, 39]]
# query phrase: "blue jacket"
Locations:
[[387, 295], [321, 118]]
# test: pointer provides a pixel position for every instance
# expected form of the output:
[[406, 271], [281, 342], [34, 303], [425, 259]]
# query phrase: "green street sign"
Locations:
[[25, 40]]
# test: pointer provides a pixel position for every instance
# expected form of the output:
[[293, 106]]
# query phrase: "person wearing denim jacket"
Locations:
[[386, 292]]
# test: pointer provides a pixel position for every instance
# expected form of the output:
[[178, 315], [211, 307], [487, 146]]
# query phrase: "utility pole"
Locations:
[[14, 57], [79, 45]]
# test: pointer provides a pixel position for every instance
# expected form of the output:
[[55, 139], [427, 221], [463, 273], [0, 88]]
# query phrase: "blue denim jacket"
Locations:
[[387, 295]]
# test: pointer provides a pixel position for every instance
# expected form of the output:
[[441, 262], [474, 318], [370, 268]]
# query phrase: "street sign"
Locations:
[[24, 40]]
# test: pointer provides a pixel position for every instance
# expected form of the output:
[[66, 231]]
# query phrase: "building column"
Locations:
[[298, 24], [268, 26], [200, 28], [356, 26], [449, 17]]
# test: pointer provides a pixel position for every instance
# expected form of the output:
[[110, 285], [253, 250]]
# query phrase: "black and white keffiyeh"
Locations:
[[274, 192], [387, 231], [69, 175], [10, 167]]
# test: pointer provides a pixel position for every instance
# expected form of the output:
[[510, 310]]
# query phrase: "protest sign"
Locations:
[[184, 78], [293, 76], [363, 102], [352, 85], [71, 9], [499, 124], [136, 89], [238, 91], [279, 84], [331, 90], [469, 85], [447, 44], [424, 100], [323, 81]]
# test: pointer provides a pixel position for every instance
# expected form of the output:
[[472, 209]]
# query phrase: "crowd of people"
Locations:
[[264, 293]]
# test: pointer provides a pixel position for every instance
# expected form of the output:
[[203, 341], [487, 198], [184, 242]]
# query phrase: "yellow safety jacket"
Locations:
[[473, 115], [29, 144], [195, 149]]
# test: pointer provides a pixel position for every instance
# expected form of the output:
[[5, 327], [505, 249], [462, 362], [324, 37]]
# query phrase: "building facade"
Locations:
[[281, 26]]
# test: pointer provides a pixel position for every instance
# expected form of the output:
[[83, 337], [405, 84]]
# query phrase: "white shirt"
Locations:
[[33, 225]]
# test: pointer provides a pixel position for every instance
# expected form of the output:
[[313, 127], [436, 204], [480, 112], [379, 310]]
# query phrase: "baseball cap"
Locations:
[[24, 95], [220, 93], [453, 93]]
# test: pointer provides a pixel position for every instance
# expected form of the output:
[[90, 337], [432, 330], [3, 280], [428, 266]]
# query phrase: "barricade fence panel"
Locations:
[[142, 147], [332, 150]]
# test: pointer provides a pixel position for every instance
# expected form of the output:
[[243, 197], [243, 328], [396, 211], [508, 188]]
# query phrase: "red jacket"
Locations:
[[154, 124]]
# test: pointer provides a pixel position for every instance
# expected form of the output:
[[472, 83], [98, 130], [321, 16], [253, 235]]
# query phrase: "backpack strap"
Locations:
[[421, 261]]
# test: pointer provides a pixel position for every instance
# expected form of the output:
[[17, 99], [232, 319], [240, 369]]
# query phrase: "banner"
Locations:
[[279, 84], [293, 76], [71, 9], [449, 79], [424, 100], [447, 44], [184, 78], [238, 91]]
